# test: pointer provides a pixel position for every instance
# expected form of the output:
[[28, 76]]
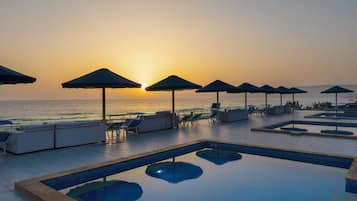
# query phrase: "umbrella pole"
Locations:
[[173, 109], [293, 101], [336, 103], [281, 99], [217, 97], [173, 101], [266, 102], [245, 100], [103, 103]]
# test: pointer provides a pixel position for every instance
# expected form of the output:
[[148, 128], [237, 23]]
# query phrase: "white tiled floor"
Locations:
[[15, 168]]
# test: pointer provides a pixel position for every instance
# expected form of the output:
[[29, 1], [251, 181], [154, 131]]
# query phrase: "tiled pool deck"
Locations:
[[16, 168]]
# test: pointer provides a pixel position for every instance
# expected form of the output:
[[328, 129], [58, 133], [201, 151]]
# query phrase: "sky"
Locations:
[[277, 42]]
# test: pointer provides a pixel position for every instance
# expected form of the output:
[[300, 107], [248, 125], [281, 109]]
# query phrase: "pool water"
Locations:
[[299, 127], [200, 176], [336, 116]]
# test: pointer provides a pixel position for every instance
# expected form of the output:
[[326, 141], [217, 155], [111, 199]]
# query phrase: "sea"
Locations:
[[25, 112]]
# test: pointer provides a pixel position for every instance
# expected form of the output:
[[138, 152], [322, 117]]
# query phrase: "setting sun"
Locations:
[[143, 86]]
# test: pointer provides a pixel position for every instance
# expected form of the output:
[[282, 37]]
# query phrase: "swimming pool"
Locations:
[[207, 171], [314, 128], [333, 115]]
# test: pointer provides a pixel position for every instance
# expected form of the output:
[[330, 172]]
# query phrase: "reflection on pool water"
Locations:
[[331, 129], [242, 177]]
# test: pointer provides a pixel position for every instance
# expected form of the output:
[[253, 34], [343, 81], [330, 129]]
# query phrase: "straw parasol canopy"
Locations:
[[295, 90], [8, 76], [102, 78], [282, 90], [336, 90], [267, 89], [216, 86], [246, 88], [172, 83]]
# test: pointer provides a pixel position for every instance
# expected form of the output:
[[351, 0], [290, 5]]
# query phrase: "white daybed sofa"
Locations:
[[280, 109], [275, 110], [49, 136], [79, 133], [31, 138], [155, 122], [232, 115]]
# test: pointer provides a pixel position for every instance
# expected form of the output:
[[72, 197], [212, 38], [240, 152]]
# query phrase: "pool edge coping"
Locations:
[[294, 133], [315, 116], [35, 189]]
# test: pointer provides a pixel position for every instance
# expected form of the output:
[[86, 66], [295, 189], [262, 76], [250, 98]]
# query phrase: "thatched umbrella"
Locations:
[[246, 88], [216, 86], [172, 83], [336, 90], [295, 90], [282, 90], [102, 78], [8, 76], [267, 89]]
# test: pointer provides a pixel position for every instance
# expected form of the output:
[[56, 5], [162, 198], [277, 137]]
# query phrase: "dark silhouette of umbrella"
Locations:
[[295, 90], [267, 89], [282, 90], [107, 191], [174, 172], [8, 76], [336, 90], [246, 88], [102, 78], [216, 86], [217, 156], [173, 83]]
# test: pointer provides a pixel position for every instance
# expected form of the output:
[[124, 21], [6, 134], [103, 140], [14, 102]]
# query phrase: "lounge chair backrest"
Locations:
[[216, 106], [134, 123], [4, 136], [213, 114], [5, 122], [186, 117], [196, 116], [163, 113]]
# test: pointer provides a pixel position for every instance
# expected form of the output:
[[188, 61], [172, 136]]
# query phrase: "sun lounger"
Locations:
[[185, 119], [132, 125], [194, 118], [3, 140], [215, 106], [4, 134], [114, 127], [351, 108], [212, 119], [288, 108]]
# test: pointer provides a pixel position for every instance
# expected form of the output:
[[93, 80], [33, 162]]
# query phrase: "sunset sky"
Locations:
[[286, 42]]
